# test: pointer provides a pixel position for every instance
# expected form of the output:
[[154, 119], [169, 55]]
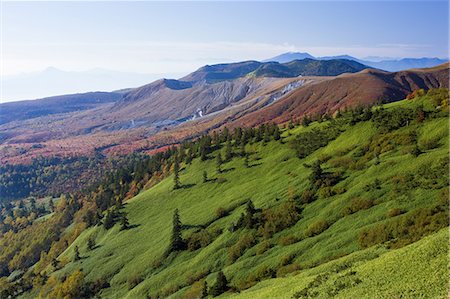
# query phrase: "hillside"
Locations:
[[349, 90], [22, 110], [336, 207], [309, 67], [390, 65]]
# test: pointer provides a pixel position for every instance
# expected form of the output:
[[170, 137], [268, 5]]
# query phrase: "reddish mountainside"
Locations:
[[157, 114], [363, 88]]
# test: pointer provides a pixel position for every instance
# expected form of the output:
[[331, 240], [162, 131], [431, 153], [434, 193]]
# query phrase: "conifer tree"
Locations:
[[205, 177], [276, 133], [242, 149], [249, 219], [246, 163], [124, 223], [91, 243], [176, 174], [76, 254], [204, 291], [220, 286], [176, 243], [228, 150], [219, 163], [108, 221]]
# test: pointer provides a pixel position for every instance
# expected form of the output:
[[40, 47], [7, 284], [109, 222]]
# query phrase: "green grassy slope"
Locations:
[[415, 271], [274, 170]]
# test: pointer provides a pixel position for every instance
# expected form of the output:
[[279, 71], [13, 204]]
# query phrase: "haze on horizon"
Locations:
[[170, 39]]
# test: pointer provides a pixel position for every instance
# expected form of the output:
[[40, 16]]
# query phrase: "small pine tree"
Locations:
[[54, 263], [220, 286], [219, 163], [306, 121], [228, 151], [176, 243], [91, 243], [76, 254], [416, 151], [246, 162], [124, 223], [205, 177], [108, 221], [316, 174], [176, 175], [276, 133], [204, 290], [242, 149], [249, 219]]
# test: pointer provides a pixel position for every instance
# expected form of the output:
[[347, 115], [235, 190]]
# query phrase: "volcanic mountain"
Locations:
[[249, 93]]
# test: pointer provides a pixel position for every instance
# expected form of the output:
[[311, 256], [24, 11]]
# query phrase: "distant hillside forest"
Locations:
[[238, 213]]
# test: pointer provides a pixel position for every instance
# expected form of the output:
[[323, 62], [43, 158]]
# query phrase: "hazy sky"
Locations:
[[177, 37]]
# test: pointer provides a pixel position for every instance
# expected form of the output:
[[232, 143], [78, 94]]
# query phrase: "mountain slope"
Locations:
[[273, 176], [22, 110], [348, 90], [391, 65], [309, 67]]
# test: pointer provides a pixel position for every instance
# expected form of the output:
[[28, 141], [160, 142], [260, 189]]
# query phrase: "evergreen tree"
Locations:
[[246, 163], [76, 254], [228, 150], [242, 149], [51, 205], [316, 175], [416, 151], [91, 243], [220, 286], [204, 291], [306, 121], [33, 207], [54, 263], [249, 218], [276, 133], [108, 221], [124, 223], [219, 162], [205, 176], [176, 174], [176, 243]]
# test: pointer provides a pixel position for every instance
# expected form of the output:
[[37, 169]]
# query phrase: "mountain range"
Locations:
[[387, 64], [167, 111]]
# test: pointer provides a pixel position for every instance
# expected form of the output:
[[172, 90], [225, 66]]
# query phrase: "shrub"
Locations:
[[308, 142], [199, 240], [429, 143], [264, 272], [221, 180], [308, 196], [245, 242], [326, 192], [343, 161], [287, 240], [395, 212], [316, 228], [221, 212], [287, 259], [133, 281], [284, 270], [406, 229], [197, 290], [277, 218], [263, 247], [358, 204]]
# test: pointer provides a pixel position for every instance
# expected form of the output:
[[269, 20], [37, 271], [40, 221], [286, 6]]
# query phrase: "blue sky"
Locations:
[[177, 37]]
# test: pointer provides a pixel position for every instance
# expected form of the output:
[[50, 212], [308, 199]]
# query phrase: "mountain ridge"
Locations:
[[391, 65]]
